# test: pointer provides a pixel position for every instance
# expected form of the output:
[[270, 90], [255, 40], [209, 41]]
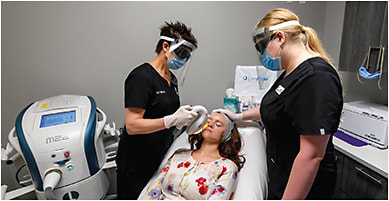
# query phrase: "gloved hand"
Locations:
[[234, 117], [182, 117]]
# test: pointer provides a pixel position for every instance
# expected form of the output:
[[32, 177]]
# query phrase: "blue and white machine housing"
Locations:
[[60, 141]]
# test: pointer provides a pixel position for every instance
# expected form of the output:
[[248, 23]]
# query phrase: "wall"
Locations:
[[333, 26], [358, 35], [88, 48]]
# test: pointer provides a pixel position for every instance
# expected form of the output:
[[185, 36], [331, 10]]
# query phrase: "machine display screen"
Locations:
[[58, 119]]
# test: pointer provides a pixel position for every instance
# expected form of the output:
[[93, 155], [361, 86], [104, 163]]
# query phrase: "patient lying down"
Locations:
[[208, 171]]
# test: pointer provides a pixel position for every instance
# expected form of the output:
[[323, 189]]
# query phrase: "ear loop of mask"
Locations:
[[169, 76], [279, 52], [271, 41]]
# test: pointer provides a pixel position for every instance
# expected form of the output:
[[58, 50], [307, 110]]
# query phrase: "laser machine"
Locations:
[[60, 139]]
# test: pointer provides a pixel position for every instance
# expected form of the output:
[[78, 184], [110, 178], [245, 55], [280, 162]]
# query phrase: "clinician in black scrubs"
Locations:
[[152, 110], [301, 111]]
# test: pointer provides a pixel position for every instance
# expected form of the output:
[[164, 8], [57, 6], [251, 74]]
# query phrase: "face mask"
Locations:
[[364, 71], [273, 64], [175, 63]]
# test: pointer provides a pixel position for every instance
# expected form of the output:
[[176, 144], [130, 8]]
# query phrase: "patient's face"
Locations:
[[216, 127]]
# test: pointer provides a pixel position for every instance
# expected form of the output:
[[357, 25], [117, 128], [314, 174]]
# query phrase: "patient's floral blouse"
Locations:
[[185, 178]]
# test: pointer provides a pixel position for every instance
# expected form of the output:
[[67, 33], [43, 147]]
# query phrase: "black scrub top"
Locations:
[[140, 155], [308, 101]]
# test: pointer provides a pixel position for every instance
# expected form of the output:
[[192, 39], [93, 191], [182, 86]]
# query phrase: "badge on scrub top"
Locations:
[[279, 89]]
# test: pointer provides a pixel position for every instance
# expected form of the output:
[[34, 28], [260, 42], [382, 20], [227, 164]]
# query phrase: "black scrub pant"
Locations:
[[131, 184], [323, 188], [137, 160]]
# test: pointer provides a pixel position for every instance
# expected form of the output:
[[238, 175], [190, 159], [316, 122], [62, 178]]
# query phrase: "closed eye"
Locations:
[[217, 122]]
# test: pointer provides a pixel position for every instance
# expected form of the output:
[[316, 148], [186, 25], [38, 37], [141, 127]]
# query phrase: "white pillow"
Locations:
[[252, 178]]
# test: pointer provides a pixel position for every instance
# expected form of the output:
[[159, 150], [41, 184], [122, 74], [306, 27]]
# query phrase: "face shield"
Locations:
[[262, 36], [183, 51]]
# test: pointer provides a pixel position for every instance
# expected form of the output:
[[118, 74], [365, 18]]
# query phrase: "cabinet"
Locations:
[[364, 25], [355, 181]]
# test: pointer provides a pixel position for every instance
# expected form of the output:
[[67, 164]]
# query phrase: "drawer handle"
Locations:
[[379, 182]]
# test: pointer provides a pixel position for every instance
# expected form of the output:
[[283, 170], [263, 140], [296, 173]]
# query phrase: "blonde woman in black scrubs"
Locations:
[[152, 110], [301, 111]]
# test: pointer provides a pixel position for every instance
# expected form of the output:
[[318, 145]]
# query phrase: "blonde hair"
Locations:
[[306, 34]]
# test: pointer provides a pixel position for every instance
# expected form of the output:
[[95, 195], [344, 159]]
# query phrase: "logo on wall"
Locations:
[[249, 78]]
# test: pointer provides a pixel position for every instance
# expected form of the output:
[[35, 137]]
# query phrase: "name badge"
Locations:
[[279, 89], [160, 92]]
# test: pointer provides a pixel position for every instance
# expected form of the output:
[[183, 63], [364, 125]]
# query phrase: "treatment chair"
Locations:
[[252, 178]]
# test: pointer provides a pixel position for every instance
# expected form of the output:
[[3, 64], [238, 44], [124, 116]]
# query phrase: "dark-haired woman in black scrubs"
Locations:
[[301, 111], [152, 110]]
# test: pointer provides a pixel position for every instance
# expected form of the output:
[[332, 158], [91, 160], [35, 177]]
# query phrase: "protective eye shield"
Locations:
[[262, 44], [265, 34], [182, 48], [182, 53]]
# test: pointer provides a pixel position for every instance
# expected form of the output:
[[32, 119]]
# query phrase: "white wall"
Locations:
[[333, 26], [88, 48]]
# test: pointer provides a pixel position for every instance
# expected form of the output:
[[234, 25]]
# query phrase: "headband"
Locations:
[[229, 127], [275, 27]]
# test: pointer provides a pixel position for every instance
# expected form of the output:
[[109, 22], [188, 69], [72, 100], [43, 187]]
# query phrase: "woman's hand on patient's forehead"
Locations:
[[234, 117]]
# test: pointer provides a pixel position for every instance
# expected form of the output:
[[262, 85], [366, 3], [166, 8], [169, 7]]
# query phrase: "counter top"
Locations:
[[372, 157]]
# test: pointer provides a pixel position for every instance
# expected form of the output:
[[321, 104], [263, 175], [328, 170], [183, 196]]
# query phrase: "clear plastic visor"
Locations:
[[183, 53], [261, 38]]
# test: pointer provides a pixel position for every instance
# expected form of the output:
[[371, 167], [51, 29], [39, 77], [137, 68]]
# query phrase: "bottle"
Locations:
[[231, 102]]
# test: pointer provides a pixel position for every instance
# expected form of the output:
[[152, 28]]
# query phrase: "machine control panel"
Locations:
[[58, 119]]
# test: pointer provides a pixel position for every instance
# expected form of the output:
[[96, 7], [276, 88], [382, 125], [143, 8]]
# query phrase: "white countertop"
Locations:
[[372, 157]]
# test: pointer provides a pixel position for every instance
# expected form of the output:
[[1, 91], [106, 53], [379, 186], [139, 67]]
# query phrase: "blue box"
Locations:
[[231, 104]]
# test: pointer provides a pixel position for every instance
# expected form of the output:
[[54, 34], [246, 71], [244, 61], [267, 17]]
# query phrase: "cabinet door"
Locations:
[[339, 157], [359, 182], [363, 26]]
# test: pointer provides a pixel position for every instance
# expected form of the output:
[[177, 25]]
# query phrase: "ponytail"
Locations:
[[313, 42]]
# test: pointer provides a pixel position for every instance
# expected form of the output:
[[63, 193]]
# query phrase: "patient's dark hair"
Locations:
[[229, 149], [175, 30]]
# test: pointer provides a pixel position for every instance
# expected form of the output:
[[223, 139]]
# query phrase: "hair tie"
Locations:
[[302, 29]]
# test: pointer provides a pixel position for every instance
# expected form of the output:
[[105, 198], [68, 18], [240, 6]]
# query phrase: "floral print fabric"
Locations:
[[185, 178]]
